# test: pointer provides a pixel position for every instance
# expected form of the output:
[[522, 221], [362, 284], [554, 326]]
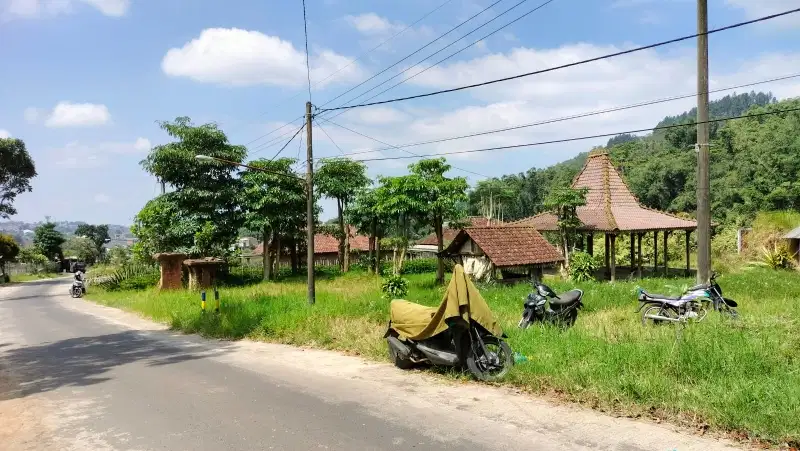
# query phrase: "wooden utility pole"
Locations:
[[703, 184], [310, 208]]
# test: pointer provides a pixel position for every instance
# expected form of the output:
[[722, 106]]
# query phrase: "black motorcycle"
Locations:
[[78, 287], [562, 309]]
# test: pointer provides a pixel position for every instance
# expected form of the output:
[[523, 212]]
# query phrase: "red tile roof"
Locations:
[[327, 244], [448, 234], [508, 246], [610, 205]]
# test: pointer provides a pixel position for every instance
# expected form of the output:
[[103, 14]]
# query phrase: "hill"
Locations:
[[23, 231]]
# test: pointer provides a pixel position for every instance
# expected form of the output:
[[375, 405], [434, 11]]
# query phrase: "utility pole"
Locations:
[[310, 208], [703, 184]]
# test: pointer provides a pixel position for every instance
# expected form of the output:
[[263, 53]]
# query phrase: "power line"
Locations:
[[308, 64], [564, 66], [274, 141], [287, 143], [452, 54], [391, 146], [567, 118], [275, 130], [414, 52], [582, 138], [329, 137]]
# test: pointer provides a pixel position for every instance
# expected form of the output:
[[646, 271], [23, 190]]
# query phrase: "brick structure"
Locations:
[[171, 271], [203, 272]]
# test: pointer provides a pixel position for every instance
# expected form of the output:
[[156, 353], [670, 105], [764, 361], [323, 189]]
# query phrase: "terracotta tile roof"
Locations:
[[448, 234], [327, 244], [508, 246], [610, 205]]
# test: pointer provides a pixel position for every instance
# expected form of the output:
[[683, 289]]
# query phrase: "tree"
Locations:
[[97, 233], [47, 241], [119, 256], [438, 200], [340, 179], [32, 257], [9, 249], [82, 248], [204, 205], [273, 204], [364, 214], [564, 204], [16, 171]]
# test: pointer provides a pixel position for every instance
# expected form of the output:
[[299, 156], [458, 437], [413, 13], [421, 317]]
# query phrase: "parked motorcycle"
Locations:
[[692, 305], [562, 309], [462, 333], [78, 288]]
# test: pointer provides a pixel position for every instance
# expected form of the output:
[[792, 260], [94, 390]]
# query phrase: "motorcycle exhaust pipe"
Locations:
[[402, 350], [662, 318]]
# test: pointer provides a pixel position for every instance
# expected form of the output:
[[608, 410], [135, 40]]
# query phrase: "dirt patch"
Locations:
[[21, 424]]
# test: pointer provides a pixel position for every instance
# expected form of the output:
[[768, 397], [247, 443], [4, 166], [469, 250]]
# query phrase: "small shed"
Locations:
[[793, 238], [516, 251]]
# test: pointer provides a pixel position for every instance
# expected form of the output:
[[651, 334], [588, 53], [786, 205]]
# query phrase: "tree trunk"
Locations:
[[439, 247], [266, 257], [372, 243], [342, 234], [378, 257], [346, 262], [277, 256], [293, 256]]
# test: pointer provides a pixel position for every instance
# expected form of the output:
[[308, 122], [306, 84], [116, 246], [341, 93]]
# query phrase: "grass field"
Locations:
[[30, 277], [742, 377]]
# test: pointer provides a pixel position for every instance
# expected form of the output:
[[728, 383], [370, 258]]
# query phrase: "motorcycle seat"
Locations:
[[659, 297], [568, 298], [698, 287]]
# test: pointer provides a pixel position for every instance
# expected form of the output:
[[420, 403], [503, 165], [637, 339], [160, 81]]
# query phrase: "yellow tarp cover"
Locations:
[[462, 298]]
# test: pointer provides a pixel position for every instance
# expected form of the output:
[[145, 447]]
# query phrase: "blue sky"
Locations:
[[83, 82]]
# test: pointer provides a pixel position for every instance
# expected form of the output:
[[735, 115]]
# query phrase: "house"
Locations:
[[517, 252], [427, 247], [246, 242], [326, 250], [793, 238]]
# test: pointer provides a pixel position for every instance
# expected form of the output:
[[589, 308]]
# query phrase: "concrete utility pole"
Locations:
[[703, 184], [310, 208]]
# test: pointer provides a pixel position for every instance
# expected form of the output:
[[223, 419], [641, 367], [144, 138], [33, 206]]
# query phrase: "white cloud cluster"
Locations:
[[81, 156], [68, 114], [236, 57], [4, 134], [372, 24], [40, 8]]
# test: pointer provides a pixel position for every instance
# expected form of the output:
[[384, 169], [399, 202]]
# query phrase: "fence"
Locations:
[[25, 268]]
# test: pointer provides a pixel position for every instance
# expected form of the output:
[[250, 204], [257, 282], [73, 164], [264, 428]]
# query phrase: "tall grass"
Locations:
[[739, 376]]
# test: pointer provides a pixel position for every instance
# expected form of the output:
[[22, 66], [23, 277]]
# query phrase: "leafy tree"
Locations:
[[97, 233], [8, 251], [273, 204], [119, 255], [621, 139], [340, 179], [82, 248], [47, 241], [16, 171], [396, 198], [564, 204], [204, 205], [32, 257], [364, 214]]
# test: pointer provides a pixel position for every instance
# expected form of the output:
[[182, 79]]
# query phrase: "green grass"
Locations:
[[31, 277], [742, 376]]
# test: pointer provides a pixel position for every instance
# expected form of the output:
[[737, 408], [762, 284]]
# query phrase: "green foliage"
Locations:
[[582, 267], [394, 287], [97, 233], [425, 266], [119, 256], [47, 241], [9, 249], [83, 249], [564, 204], [205, 192], [128, 277], [31, 256], [777, 257], [16, 171]]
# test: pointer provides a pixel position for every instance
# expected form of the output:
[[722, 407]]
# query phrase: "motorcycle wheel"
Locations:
[[403, 364], [526, 320], [657, 310], [480, 367]]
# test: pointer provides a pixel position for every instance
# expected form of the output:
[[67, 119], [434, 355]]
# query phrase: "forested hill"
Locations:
[[754, 165]]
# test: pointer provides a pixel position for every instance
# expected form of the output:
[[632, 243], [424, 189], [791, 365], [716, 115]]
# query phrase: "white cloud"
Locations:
[[101, 198], [67, 114], [380, 115], [4, 134], [236, 57], [759, 8], [40, 8], [373, 24], [83, 156]]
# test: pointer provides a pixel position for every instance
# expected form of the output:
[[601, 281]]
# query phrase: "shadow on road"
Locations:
[[85, 361]]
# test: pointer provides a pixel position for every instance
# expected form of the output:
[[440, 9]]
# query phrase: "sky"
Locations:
[[84, 82]]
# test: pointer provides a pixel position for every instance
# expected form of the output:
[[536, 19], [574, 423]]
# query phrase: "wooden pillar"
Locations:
[[688, 262], [590, 244], [639, 251], [666, 254], [613, 243], [608, 265], [655, 252]]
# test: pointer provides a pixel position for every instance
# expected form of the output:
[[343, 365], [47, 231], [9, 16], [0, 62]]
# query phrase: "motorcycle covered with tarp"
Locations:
[[462, 332]]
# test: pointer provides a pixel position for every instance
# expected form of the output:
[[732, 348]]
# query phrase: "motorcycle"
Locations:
[[461, 333], [563, 309], [78, 288], [692, 305]]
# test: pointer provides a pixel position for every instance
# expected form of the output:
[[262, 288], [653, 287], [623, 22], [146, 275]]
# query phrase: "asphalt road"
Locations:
[[74, 375]]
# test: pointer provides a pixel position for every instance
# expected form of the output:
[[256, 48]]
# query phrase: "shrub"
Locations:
[[582, 267], [140, 282], [128, 277], [394, 287], [777, 257]]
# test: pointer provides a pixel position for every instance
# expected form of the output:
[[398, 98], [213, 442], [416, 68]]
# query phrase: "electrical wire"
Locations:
[[413, 53], [284, 146], [566, 118], [542, 5], [275, 130], [564, 66], [273, 142], [329, 137], [390, 146], [308, 64], [582, 138]]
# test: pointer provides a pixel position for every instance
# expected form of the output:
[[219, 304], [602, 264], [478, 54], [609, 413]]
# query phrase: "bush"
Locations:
[[394, 287], [777, 257], [128, 277], [140, 282], [582, 267]]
